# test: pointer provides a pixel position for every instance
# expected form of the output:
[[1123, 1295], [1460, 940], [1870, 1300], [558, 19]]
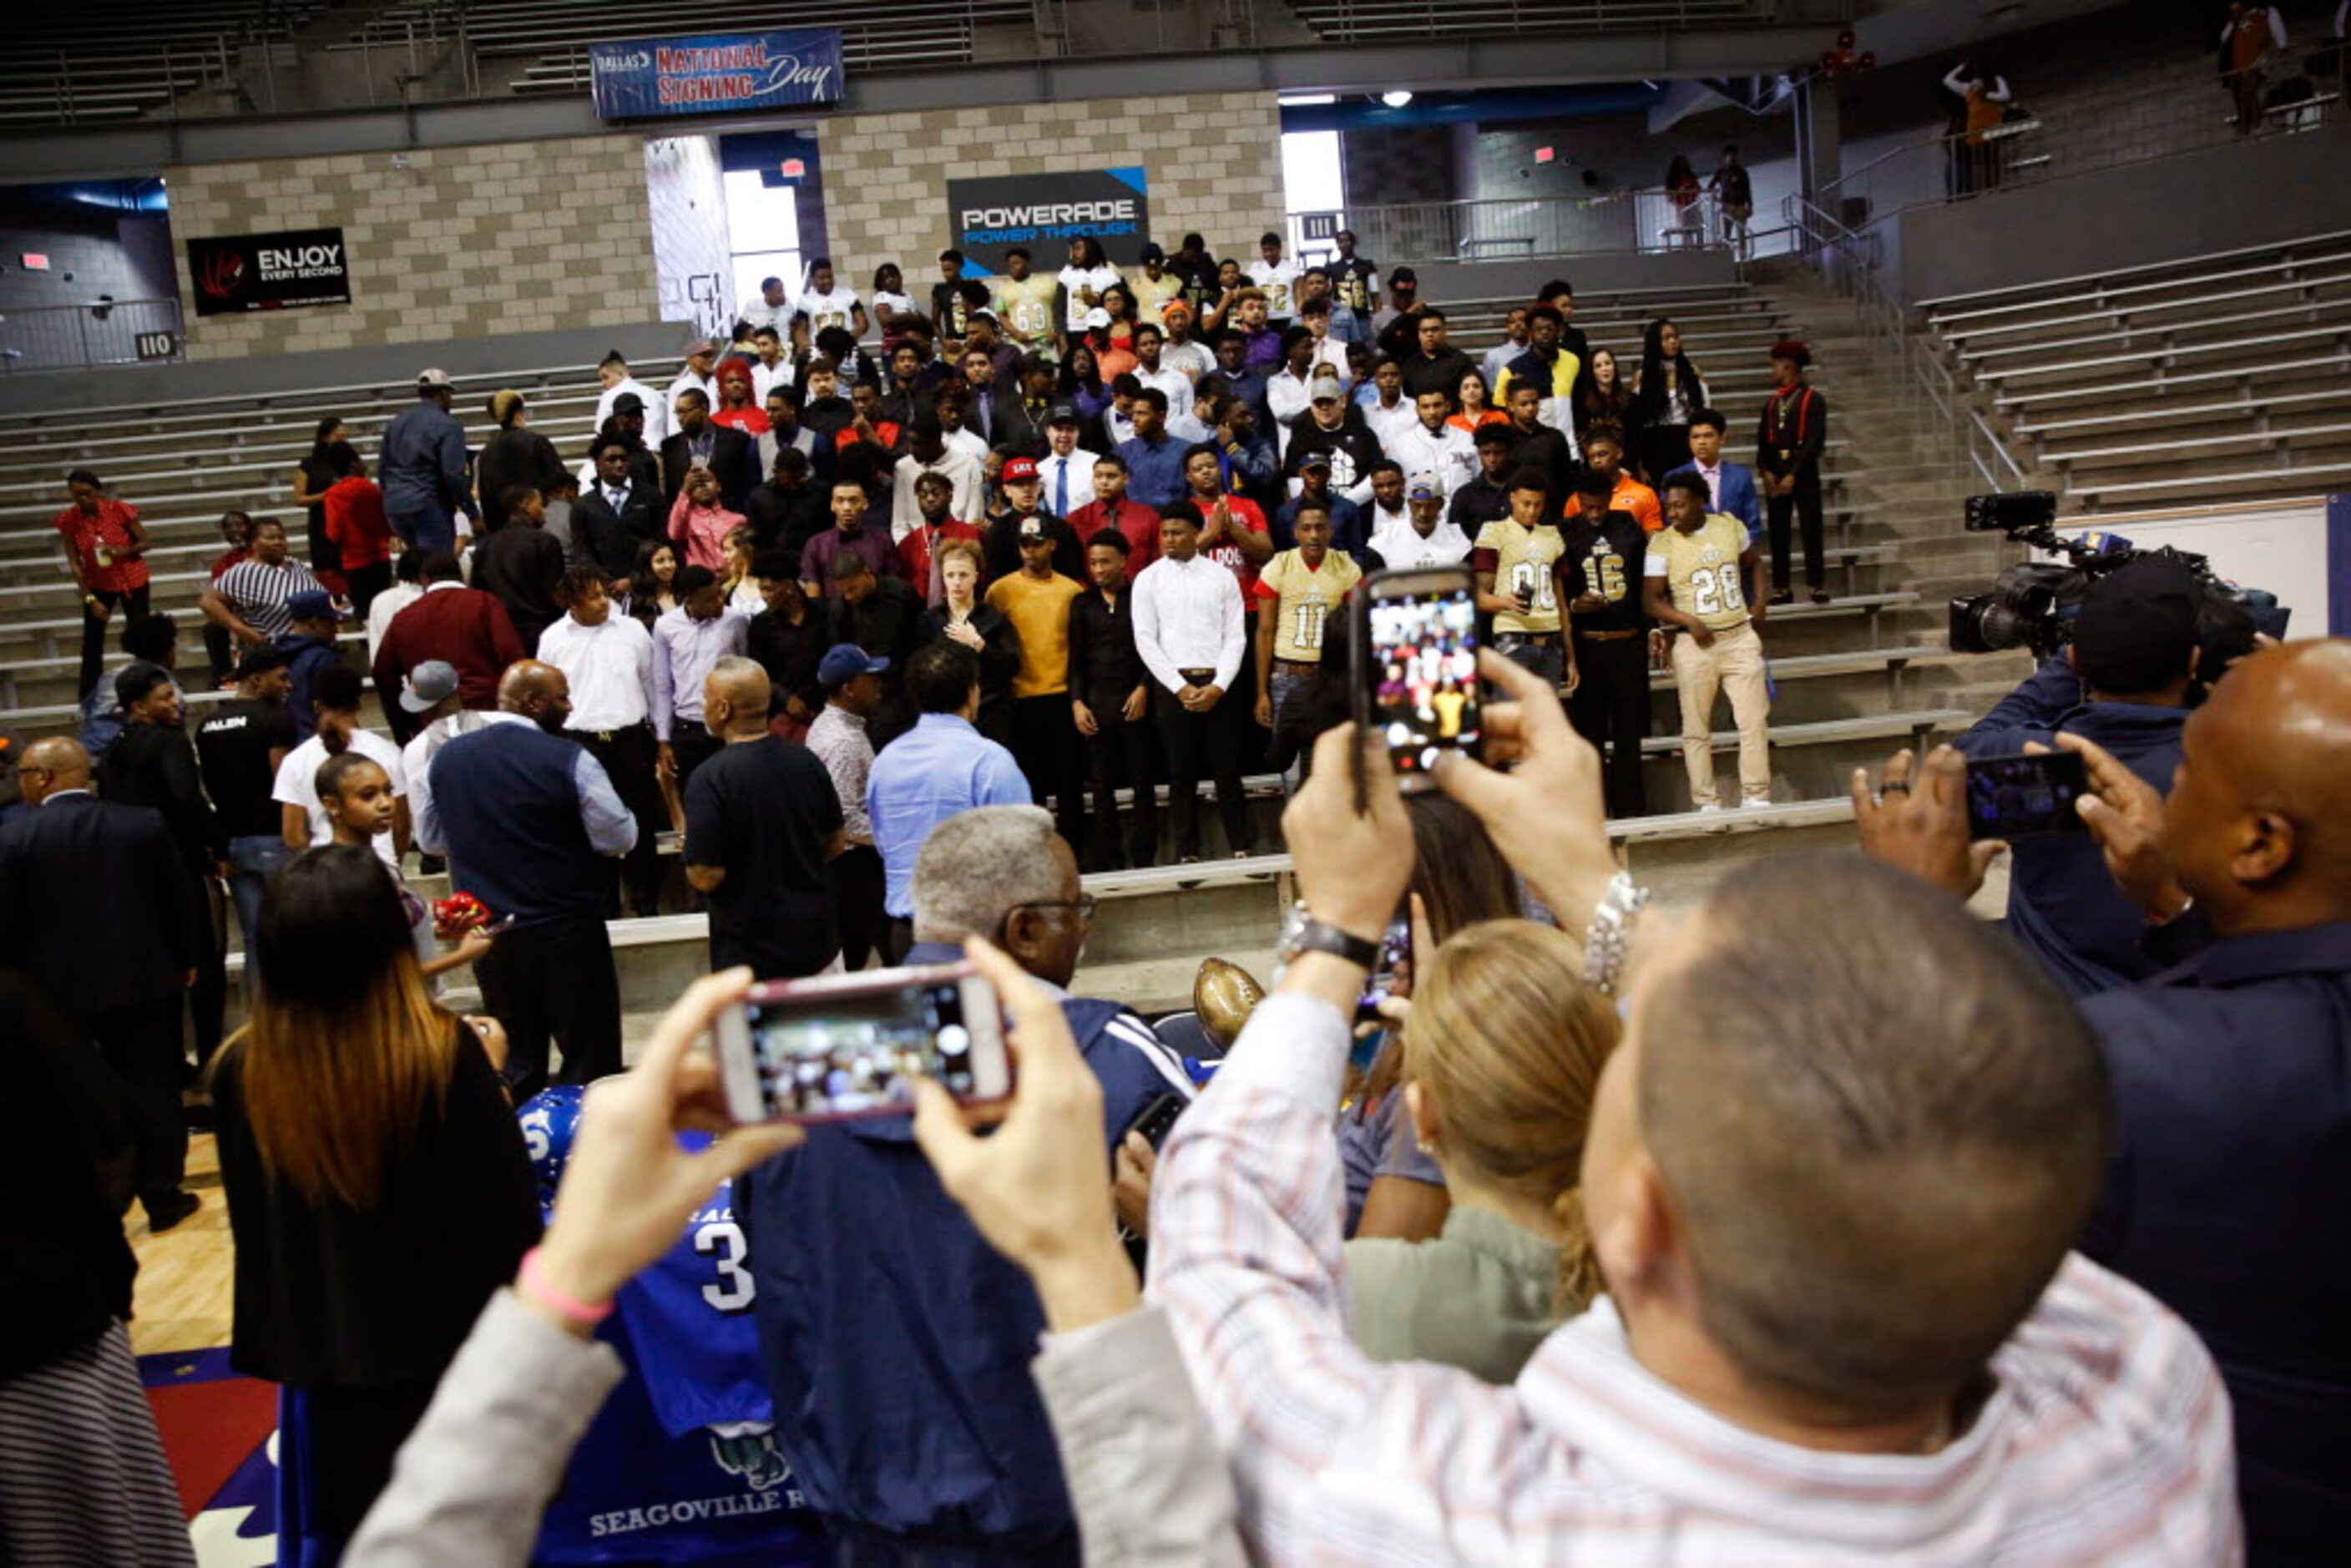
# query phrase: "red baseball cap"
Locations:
[[1018, 468]]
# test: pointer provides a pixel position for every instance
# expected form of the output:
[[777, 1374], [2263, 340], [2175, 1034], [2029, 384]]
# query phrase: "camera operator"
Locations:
[[2123, 683], [2232, 1115]]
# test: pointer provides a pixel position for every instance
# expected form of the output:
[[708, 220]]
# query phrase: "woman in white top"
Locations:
[[1081, 284]]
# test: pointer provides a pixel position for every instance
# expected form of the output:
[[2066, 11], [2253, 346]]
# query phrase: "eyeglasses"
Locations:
[[1085, 904]]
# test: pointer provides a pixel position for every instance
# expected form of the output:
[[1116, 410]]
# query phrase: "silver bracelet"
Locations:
[[1609, 935]]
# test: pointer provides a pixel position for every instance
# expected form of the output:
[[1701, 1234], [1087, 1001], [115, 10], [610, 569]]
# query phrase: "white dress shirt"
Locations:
[[657, 416], [961, 468], [387, 604], [1399, 545], [1448, 453], [1389, 423], [1187, 616], [1076, 471], [969, 440], [765, 378], [610, 668], [1173, 381]]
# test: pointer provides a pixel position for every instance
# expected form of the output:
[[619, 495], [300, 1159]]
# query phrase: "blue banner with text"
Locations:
[[711, 73]]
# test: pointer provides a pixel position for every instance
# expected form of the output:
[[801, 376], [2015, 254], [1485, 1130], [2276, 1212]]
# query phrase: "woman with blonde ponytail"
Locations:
[[1503, 1053], [378, 1186]]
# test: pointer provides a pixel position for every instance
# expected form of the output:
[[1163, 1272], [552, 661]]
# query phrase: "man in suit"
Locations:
[[616, 513], [702, 444], [464, 627], [97, 907], [1731, 487]]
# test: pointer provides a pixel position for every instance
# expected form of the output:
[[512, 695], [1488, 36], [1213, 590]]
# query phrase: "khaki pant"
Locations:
[[1735, 665]]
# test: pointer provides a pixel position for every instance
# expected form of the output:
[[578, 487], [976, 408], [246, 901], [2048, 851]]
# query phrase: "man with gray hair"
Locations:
[[920, 1424]]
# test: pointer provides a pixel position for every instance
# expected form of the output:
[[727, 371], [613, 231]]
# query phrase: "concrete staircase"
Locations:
[[1907, 484]]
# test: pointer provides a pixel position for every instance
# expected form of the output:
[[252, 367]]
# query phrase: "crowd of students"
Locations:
[[1584, 1232]]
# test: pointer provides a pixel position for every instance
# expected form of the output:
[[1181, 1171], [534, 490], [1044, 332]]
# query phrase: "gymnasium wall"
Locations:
[[462, 242], [1213, 160]]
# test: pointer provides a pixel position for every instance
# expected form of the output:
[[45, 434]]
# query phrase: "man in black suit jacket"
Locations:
[[617, 513], [97, 907], [702, 443]]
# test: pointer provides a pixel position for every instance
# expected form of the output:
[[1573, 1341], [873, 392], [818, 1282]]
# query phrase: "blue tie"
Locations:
[[1062, 489]]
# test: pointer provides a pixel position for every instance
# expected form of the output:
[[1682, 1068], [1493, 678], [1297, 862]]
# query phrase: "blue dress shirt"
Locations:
[[935, 769]]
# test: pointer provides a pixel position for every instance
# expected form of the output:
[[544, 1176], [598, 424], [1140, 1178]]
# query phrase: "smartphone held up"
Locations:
[[2019, 797], [847, 1046], [1416, 682]]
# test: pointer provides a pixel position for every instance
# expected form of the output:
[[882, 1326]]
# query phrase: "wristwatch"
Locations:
[[1302, 933]]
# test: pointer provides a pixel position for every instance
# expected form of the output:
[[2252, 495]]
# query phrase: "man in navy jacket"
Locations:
[[2123, 683], [897, 1342]]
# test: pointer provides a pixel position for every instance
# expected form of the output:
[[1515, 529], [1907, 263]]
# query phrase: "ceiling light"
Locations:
[[1308, 100], [1395, 100]]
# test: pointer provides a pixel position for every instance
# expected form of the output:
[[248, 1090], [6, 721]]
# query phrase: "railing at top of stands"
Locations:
[[2059, 136], [1417, 233], [1848, 259], [102, 332]]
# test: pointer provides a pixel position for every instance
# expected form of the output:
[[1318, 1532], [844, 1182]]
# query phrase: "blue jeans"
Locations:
[[1545, 657], [424, 529], [253, 860]]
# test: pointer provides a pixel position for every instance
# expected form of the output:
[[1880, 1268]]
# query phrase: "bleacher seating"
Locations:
[[2219, 377], [1374, 21], [543, 43], [130, 58]]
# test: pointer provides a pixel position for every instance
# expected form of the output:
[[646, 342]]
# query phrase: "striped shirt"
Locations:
[[2106, 1438], [257, 591]]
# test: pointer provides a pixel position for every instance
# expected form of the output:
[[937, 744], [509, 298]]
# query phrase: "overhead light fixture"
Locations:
[[1395, 100], [1308, 100]]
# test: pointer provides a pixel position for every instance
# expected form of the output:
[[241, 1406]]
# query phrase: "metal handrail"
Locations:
[[1649, 219], [1981, 436]]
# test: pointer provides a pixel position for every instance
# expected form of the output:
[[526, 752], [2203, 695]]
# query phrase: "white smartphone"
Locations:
[[846, 1046]]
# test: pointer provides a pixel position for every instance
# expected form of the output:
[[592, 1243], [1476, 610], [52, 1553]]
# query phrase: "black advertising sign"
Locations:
[[1044, 212], [269, 271]]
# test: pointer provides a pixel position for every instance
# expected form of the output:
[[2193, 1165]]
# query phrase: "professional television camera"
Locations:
[[2032, 603]]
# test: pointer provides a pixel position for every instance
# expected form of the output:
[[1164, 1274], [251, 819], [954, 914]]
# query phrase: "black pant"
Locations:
[[902, 940], [141, 1046], [365, 581], [1610, 706], [208, 998], [859, 882], [1805, 500], [1119, 754], [1045, 743], [628, 756], [555, 981], [1198, 743], [692, 744], [130, 605], [220, 650]]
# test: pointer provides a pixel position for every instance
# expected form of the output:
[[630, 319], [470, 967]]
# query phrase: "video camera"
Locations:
[[2032, 603]]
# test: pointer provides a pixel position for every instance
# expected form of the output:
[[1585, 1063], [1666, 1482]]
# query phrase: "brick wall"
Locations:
[[462, 243], [1213, 160]]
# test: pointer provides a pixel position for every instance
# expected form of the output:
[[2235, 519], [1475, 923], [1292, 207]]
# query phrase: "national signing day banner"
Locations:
[[269, 271], [1044, 212], [641, 78]]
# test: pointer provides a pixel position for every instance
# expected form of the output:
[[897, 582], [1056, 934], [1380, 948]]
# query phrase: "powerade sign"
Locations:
[[641, 79], [1043, 213], [269, 271]]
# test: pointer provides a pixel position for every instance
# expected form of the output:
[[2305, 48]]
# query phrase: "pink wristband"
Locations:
[[534, 1284]]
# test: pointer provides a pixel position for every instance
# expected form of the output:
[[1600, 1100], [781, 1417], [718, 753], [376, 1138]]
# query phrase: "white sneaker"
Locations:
[[1754, 802], [1712, 808]]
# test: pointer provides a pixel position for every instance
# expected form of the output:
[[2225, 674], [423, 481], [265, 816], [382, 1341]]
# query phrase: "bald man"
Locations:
[[2232, 1069], [762, 818], [96, 905], [528, 819]]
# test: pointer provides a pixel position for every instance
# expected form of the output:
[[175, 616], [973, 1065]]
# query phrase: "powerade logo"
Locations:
[[1051, 220], [994, 215]]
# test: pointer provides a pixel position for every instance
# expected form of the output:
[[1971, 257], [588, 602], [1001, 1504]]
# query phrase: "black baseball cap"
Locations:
[[2136, 629], [1153, 253]]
